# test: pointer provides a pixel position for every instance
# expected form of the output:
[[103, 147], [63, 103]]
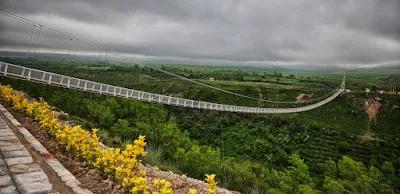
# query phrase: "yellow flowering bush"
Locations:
[[6, 93], [162, 187], [123, 166], [140, 186], [79, 141], [212, 185]]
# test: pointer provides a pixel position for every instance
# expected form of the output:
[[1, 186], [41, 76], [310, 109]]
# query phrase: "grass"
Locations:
[[154, 157]]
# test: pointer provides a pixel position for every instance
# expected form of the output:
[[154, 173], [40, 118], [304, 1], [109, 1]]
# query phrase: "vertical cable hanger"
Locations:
[[69, 49], [37, 39], [98, 56], [106, 56], [76, 47], [30, 40]]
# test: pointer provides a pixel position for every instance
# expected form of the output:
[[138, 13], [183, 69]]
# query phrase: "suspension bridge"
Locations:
[[35, 75]]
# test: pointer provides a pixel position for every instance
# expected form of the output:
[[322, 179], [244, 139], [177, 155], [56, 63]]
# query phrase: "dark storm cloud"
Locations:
[[331, 32]]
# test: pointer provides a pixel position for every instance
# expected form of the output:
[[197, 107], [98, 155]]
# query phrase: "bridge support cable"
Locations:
[[35, 75], [115, 54], [30, 40], [76, 47], [37, 40], [69, 49], [98, 56]]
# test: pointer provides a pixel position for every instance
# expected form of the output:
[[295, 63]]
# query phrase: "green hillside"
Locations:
[[248, 152]]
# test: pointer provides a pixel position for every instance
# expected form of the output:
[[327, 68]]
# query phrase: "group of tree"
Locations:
[[248, 154]]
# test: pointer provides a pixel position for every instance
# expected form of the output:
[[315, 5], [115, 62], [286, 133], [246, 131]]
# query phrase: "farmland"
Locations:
[[249, 153]]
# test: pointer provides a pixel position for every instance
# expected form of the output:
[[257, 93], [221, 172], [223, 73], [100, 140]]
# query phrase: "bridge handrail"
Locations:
[[35, 75]]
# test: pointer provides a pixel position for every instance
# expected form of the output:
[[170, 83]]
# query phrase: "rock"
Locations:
[[33, 182], [108, 182], [303, 97], [61, 115], [24, 168], [21, 92], [92, 171]]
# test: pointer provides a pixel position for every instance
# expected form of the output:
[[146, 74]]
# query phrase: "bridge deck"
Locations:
[[35, 75]]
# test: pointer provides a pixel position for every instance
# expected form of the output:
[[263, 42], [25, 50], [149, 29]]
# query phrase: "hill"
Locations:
[[248, 152]]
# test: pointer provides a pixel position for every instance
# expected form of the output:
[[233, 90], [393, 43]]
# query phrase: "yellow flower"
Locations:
[[212, 185], [123, 166], [141, 186], [162, 187], [192, 191]]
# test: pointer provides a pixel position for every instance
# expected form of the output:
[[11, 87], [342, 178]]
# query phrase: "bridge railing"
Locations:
[[35, 75]]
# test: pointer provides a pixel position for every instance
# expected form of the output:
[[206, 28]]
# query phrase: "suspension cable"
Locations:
[[30, 40], [69, 48], [37, 40], [27, 21], [98, 56], [75, 50]]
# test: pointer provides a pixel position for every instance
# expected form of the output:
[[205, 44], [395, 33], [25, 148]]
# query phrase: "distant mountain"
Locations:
[[387, 69], [392, 68], [45, 56]]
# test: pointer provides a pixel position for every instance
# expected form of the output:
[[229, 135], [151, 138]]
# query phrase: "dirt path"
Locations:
[[371, 107]]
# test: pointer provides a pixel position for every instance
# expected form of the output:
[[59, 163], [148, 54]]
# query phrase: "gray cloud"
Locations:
[[314, 32]]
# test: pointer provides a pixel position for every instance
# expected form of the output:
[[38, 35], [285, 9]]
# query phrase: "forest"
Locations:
[[312, 152]]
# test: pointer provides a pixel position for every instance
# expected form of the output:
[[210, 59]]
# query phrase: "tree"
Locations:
[[388, 169], [350, 169], [330, 169], [343, 146], [121, 128], [332, 186], [296, 178], [198, 160], [291, 76], [101, 114], [299, 170]]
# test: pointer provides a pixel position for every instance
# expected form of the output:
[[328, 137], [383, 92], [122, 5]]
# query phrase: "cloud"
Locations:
[[294, 32]]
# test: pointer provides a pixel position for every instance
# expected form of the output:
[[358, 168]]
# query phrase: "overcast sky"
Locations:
[[264, 32]]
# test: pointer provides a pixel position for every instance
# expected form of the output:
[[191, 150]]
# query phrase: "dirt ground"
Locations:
[[371, 107], [303, 97], [180, 183]]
